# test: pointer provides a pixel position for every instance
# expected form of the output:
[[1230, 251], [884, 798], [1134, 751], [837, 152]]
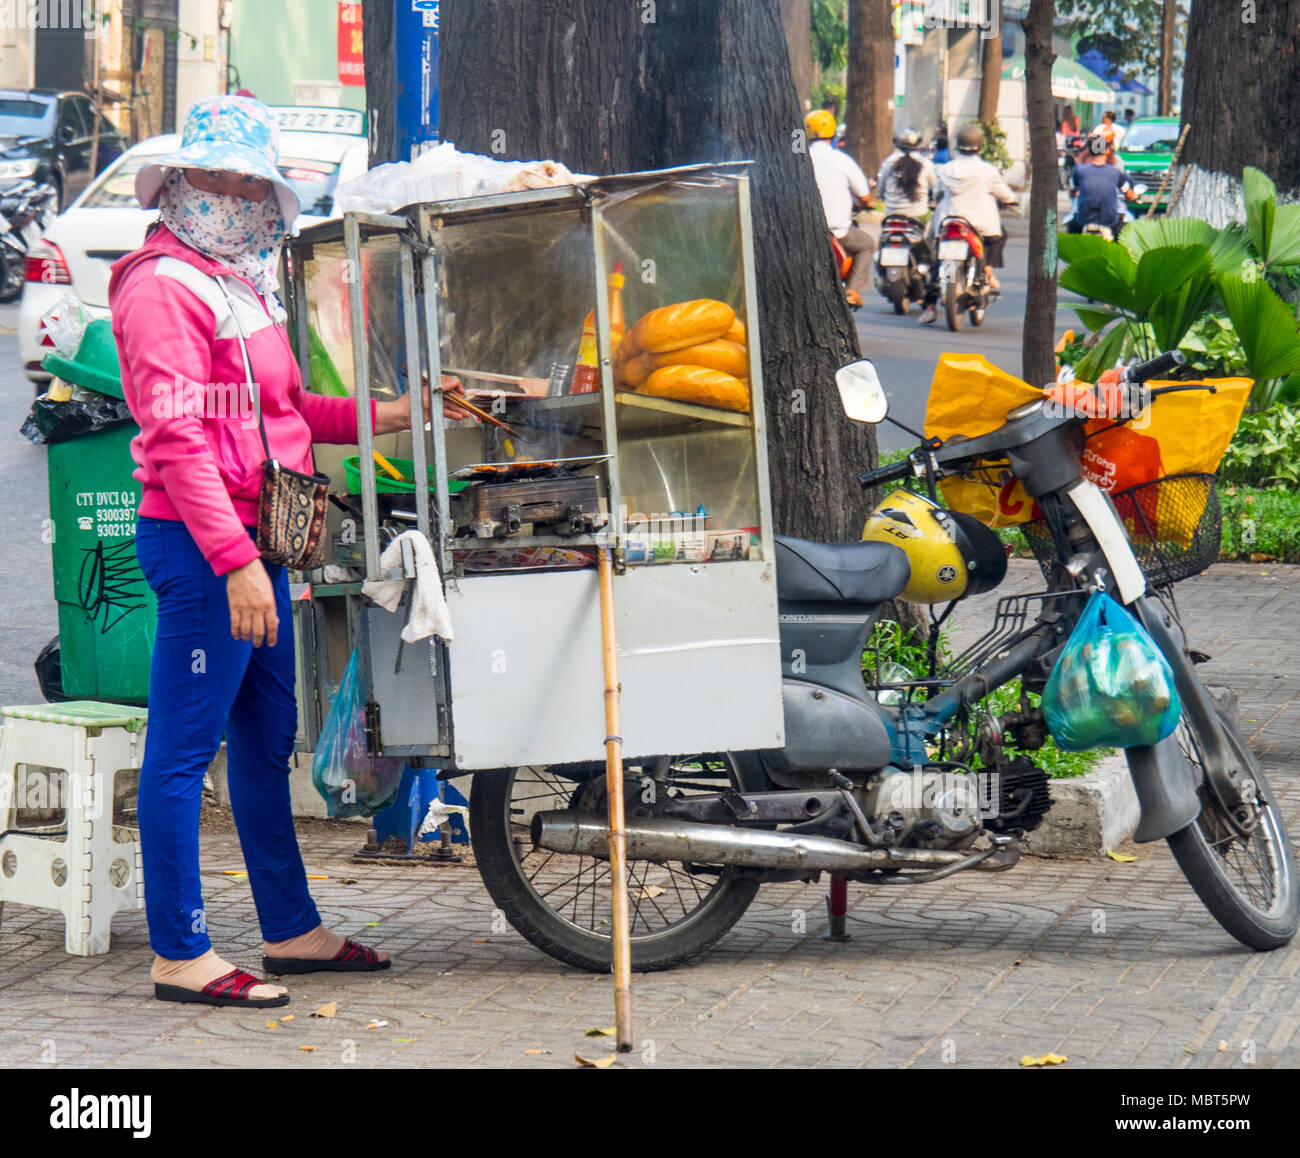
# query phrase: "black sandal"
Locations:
[[232, 989], [352, 958]]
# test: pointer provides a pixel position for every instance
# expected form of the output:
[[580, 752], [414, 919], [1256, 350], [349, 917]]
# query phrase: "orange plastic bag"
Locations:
[[1184, 433]]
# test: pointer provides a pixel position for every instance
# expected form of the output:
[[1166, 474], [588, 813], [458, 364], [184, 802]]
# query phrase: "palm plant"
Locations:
[[1175, 280]]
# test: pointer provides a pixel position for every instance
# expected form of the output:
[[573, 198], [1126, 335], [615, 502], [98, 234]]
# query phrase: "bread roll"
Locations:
[[638, 369], [736, 333], [700, 385], [718, 354], [684, 324]]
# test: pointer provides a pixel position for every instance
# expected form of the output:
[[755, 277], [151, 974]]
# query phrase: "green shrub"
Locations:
[[1260, 522], [1265, 449]]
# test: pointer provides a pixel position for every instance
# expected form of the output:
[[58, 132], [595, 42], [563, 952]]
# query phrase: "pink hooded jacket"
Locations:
[[199, 453]]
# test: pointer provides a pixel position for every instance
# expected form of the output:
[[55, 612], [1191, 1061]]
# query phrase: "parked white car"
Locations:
[[319, 150]]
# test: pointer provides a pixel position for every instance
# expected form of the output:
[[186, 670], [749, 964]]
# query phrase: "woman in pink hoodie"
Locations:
[[223, 661]]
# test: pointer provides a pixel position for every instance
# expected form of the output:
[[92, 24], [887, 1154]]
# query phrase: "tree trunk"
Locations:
[[796, 17], [377, 48], [590, 84], [1167, 29], [1038, 360], [870, 82], [1241, 91], [990, 77]]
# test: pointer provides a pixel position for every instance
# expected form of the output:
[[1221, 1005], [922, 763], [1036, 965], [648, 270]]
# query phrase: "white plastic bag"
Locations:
[[65, 324], [443, 174]]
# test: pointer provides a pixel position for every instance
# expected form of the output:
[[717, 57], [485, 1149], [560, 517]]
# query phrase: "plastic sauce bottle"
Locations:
[[617, 324], [585, 378]]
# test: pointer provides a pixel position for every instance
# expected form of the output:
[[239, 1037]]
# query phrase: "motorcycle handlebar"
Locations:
[[885, 474], [1156, 367]]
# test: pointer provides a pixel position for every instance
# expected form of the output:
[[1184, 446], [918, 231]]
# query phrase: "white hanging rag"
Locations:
[[439, 813], [429, 614]]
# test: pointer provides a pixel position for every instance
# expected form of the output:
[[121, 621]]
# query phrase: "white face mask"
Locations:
[[245, 235]]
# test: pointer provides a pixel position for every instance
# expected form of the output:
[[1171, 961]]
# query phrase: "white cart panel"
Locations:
[[698, 646]]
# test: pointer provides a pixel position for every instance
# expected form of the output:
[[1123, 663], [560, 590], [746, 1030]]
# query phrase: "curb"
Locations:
[[1089, 814]]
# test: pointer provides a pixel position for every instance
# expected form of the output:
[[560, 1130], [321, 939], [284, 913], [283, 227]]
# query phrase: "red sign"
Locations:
[[352, 67]]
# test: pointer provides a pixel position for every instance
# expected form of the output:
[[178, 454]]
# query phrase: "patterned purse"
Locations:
[[291, 505]]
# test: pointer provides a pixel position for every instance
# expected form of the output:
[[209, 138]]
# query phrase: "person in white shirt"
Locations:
[[972, 189], [840, 180], [907, 179]]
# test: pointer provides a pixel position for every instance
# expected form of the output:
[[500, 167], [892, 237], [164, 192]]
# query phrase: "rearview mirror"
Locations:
[[861, 394]]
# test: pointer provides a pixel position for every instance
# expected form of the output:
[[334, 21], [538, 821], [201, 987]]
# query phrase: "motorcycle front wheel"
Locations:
[[560, 902], [11, 274], [1247, 882]]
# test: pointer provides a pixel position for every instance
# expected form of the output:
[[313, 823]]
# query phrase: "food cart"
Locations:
[[496, 289]]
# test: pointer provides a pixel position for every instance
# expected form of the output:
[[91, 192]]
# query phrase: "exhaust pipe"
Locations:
[[652, 839]]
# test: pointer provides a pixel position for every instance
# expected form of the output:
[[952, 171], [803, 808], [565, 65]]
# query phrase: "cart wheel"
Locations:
[[560, 902]]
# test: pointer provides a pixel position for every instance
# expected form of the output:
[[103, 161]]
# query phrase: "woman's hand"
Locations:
[[252, 604], [390, 417]]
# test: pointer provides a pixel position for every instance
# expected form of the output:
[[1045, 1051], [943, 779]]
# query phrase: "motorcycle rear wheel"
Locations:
[[900, 305], [952, 296], [976, 316], [553, 900], [1248, 884]]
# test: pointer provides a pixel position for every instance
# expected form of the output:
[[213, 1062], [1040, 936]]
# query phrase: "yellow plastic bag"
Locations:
[[968, 397], [1185, 433]]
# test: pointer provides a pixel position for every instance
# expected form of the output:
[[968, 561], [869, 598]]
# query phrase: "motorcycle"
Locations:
[[963, 286], [877, 783], [24, 211], [1103, 231], [1067, 158], [902, 261]]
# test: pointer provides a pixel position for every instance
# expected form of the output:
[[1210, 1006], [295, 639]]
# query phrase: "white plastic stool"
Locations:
[[93, 872]]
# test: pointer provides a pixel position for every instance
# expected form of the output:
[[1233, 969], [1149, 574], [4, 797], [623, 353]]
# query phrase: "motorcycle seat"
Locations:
[[809, 572]]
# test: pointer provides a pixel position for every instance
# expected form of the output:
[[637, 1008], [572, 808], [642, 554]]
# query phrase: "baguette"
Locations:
[[736, 333], [700, 385], [718, 354], [638, 369], [684, 324]]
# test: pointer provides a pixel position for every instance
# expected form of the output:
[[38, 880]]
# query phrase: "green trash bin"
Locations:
[[107, 613]]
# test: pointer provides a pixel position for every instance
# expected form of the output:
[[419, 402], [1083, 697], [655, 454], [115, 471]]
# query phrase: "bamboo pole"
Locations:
[[620, 932], [1169, 172]]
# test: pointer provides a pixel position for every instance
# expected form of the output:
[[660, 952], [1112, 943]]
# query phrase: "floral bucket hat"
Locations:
[[232, 133]]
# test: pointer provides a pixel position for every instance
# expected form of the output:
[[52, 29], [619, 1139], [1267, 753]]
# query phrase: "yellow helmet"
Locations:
[[952, 554], [820, 125]]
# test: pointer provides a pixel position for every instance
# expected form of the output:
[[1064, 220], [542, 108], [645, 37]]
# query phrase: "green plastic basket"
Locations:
[[391, 486]]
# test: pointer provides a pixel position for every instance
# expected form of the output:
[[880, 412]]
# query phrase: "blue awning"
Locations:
[[1094, 61]]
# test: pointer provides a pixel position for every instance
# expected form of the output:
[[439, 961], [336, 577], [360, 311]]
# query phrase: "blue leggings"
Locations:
[[204, 683]]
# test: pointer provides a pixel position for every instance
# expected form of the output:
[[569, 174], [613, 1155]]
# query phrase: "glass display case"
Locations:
[[610, 332]]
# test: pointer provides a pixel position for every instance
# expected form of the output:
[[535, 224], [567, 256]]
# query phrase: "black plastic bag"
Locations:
[[49, 672], [49, 422]]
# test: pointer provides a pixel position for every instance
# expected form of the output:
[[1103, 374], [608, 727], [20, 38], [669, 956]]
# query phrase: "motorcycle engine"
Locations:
[[926, 808]]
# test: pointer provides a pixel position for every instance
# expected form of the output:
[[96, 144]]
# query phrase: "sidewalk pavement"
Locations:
[[1111, 964]]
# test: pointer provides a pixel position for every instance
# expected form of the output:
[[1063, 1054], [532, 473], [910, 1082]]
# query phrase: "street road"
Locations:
[[905, 353], [28, 618]]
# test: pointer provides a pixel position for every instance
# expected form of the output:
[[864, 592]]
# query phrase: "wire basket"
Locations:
[[1175, 525]]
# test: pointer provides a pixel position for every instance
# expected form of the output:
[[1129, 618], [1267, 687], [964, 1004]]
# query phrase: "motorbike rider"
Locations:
[[907, 179], [973, 189], [1098, 182], [840, 181]]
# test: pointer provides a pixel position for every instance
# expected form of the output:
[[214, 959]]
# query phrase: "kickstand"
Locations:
[[837, 906]]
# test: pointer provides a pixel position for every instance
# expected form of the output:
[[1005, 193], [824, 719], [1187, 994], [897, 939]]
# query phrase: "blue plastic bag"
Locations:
[[1111, 687], [351, 781]]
